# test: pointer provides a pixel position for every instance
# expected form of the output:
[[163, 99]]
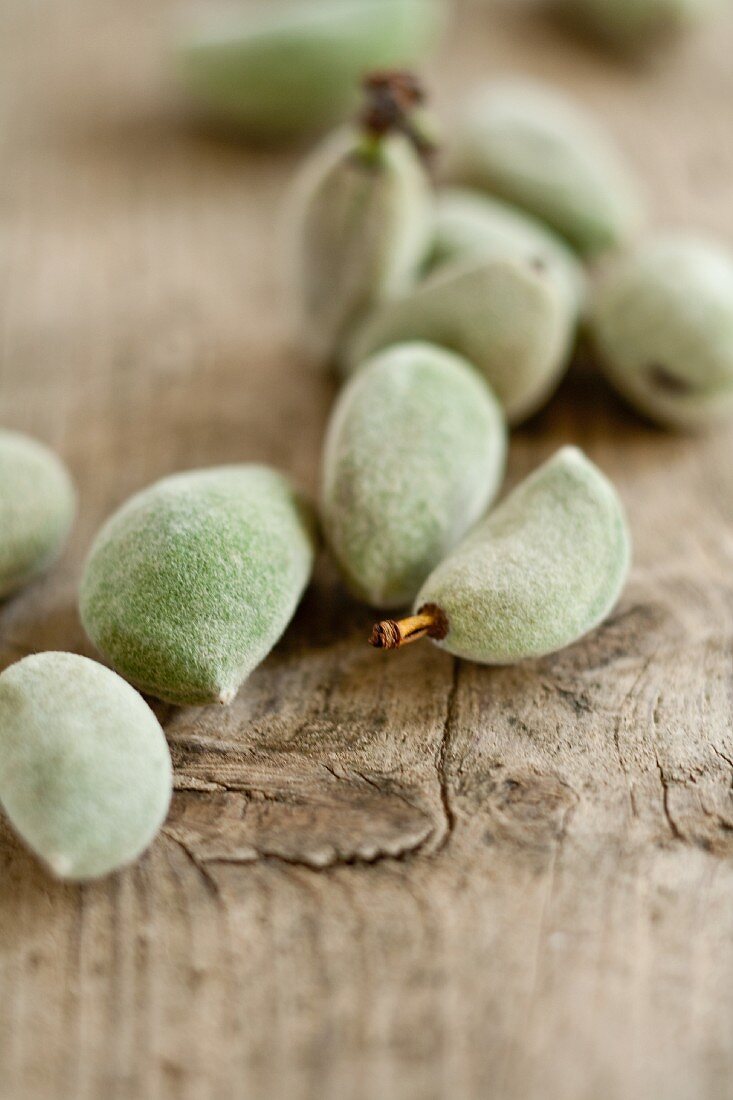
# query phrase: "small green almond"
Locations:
[[192, 582], [358, 229], [294, 67], [469, 224], [661, 321], [414, 454], [37, 505], [543, 569], [508, 318], [529, 145], [85, 772]]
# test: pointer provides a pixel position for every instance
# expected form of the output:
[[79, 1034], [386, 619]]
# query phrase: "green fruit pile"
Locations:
[[454, 312]]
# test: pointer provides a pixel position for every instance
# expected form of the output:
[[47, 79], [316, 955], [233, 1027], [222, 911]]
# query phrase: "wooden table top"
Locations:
[[384, 877]]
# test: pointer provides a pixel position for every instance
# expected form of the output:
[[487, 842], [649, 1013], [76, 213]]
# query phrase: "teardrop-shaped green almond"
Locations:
[[512, 321], [414, 454], [191, 583], [662, 325], [85, 772], [468, 224], [530, 146], [295, 67], [358, 230], [543, 569], [37, 504], [635, 24]]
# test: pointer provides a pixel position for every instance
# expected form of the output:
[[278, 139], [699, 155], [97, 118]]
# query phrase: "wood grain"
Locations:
[[385, 876]]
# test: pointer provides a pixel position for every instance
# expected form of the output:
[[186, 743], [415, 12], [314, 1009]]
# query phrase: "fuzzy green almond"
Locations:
[[634, 25], [661, 322], [529, 145], [192, 582], [357, 230], [542, 570], [414, 454], [295, 67], [85, 772], [37, 506], [469, 223], [511, 320]]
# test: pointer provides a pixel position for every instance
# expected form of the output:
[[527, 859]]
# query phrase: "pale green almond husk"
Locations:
[[633, 25], [191, 583], [662, 326], [37, 505], [543, 569], [512, 322], [85, 772], [357, 230], [528, 144], [294, 67], [470, 223], [414, 454]]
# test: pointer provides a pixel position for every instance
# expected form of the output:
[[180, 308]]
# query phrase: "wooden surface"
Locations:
[[384, 877]]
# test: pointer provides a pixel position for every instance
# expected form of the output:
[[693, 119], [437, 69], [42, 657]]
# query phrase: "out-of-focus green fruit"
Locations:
[[37, 504], [662, 324], [295, 66], [508, 318], [531, 146]]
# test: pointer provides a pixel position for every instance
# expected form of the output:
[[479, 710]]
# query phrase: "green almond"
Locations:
[[662, 326], [542, 570], [469, 224], [358, 228], [295, 67], [85, 772], [37, 505], [529, 145], [414, 454], [509, 318], [192, 582]]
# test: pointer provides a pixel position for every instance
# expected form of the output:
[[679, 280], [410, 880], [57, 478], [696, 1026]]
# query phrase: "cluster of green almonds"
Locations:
[[283, 68], [454, 314]]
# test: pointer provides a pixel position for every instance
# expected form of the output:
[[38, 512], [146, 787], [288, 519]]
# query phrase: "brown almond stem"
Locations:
[[430, 622], [393, 99]]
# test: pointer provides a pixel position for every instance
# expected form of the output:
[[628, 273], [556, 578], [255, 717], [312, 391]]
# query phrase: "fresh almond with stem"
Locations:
[[542, 570], [359, 218]]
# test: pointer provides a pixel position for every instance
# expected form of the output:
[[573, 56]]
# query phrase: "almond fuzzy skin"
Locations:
[[192, 582], [513, 323], [468, 224], [661, 322], [415, 453], [294, 67], [357, 230], [540, 571], [37, 506], [529, 145], [85, 772]]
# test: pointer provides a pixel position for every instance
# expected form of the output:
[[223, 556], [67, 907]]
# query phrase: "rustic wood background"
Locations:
[[384, 877]]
